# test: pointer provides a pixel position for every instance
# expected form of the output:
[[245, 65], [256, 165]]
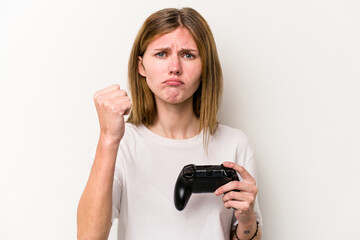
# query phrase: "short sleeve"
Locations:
[[116, 195]]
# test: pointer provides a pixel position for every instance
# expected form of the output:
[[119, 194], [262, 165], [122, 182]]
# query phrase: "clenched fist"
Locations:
[[112, 103]]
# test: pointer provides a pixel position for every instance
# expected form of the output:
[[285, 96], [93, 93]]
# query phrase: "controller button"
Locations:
[[188, 172], [228, 172]]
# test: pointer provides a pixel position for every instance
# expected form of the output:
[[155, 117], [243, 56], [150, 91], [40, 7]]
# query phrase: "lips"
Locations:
[[173, 82]]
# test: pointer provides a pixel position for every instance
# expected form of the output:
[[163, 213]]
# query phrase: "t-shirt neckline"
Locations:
[[170, 141]]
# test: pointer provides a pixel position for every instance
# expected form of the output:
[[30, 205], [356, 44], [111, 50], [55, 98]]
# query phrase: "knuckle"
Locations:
[[123, 92], [122, 110], [110, 106], [246, 206], [113, 108], [96, 96], [256, 190], [105, 103], [100, 99], [125, 99], [231, 195], [235, 184]]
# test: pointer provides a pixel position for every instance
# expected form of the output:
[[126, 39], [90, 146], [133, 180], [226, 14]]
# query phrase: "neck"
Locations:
[[176, 121]]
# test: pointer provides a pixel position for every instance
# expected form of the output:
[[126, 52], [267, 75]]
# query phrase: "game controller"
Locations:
[[200, 179]]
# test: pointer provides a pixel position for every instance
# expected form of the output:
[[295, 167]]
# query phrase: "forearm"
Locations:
[[247, 231], [95, 205]]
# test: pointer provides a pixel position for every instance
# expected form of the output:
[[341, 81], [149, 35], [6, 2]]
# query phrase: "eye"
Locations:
[[160, 54], [188, 56]]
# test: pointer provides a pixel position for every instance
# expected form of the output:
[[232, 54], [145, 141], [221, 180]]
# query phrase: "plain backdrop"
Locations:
[[291, 71]]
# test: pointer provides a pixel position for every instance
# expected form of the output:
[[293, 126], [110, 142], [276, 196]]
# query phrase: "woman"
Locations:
[[175, 81]]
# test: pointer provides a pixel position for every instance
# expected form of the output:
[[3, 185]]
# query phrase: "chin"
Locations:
[[174, 101]]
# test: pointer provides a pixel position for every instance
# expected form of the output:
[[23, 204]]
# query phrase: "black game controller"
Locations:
[[200, 179]]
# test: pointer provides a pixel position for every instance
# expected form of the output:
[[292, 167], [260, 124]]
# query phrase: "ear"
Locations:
[[141, 67]]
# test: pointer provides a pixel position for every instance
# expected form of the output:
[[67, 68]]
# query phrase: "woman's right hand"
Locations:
[[112, 103]]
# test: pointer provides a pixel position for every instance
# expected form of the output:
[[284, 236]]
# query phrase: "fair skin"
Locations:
[[172, 67], [95, 205]]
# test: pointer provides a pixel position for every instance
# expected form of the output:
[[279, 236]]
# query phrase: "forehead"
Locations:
[[180, 38]]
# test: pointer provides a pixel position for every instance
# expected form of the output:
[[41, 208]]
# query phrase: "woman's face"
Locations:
[[172, 66]]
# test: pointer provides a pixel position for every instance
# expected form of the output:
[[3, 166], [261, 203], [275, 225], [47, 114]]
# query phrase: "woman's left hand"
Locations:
[[240, 195]]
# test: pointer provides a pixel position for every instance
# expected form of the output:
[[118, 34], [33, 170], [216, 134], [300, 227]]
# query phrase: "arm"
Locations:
[[242, 201], [95, 206]]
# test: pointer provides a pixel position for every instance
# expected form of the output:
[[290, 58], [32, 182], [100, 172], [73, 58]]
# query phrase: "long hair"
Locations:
[[206, 99]]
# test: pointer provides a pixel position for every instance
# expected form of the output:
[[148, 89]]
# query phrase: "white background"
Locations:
[[292, 77]]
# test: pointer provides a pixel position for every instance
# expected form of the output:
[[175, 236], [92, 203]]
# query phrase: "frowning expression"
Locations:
[[172, 66]]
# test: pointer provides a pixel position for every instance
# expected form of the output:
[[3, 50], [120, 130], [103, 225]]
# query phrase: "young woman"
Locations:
[[175, 81]]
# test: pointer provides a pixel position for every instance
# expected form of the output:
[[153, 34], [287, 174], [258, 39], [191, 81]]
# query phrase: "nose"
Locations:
[[175, 66]]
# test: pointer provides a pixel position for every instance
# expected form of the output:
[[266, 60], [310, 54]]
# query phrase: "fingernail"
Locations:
[[216, 192]]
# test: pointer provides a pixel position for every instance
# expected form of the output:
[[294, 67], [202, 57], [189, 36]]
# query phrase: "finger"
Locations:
[[109, 98], [127, 111], [236, 185], [124, 105], [238, 206], [118, 100], [107, 89], [127, 108], [116, 93], [246, 176], [238, 196]]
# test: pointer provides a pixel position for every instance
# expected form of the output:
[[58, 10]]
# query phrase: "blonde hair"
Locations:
[[206, 99]]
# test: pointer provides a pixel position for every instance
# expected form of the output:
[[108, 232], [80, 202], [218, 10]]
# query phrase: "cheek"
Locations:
[[197, 68], [150, 75], [154, 71], [195, 72], [153, 79], [150, 83]]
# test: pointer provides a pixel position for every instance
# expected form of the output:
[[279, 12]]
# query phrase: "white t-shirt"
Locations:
[[147, 168]]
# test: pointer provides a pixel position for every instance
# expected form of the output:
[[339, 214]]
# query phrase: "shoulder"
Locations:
[[227, 133], [230, 144], [132, 133], [129, 127]]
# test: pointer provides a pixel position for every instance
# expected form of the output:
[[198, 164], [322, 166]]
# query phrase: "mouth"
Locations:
[[173, 82]]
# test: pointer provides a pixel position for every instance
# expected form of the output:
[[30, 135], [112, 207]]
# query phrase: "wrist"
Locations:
[[247, 234], [247, 218], [108, 141], [246, 230], [105, 157]]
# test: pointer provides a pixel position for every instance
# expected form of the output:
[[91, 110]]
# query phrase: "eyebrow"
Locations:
[[182, 49]]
